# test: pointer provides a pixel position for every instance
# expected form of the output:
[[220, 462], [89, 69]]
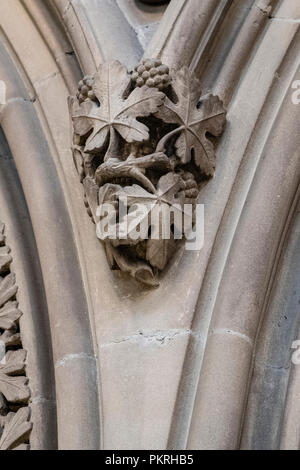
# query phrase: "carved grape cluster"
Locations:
[[85, 89], [153, 73]]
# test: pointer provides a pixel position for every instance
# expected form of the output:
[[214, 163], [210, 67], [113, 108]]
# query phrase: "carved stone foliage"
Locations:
[[14, 392], [148, 136]]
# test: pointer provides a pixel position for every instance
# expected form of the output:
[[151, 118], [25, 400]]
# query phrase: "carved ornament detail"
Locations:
[[148, 136], [14, 392]]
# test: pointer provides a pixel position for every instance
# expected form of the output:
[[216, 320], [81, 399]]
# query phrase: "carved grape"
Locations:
[[152, 73]]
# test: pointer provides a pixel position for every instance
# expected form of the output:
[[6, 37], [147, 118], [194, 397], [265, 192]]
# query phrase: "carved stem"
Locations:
[[161, 146], [113, 145]]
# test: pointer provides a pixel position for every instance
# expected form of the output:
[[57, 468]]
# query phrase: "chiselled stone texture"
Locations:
[[154, 2], [14, 392], [145, 136], [205, 360]]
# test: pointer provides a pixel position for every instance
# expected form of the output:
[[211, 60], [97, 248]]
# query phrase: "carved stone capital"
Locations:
[[147, 137]]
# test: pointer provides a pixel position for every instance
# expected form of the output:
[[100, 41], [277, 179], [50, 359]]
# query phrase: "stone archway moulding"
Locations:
[[99, 346]]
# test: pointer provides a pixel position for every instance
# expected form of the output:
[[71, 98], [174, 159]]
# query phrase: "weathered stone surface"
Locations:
[[204, 360], [14, 391]]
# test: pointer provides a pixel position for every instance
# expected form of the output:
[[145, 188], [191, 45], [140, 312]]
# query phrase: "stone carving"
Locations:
[[147, 135], [14, 392]]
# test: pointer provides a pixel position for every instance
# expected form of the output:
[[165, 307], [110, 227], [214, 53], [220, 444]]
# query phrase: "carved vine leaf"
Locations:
[[169, 194], [16, 430], [8, 288], [195, 119], [137, 195], [111, 84], [12, 385]]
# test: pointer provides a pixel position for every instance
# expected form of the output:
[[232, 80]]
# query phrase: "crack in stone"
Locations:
[[286, 20], [42, 401], [45, 79], [266, 365], [267, 12], [152, 337], [20, 98], [72, 357], [31, 100]]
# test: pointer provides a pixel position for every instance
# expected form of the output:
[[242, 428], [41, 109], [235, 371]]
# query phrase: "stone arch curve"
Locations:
[[194, 358]]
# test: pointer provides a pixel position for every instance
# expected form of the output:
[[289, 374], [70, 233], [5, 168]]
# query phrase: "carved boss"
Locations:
[[147, 135]]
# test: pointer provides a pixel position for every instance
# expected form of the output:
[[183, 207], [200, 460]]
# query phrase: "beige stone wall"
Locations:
[[205, 360]]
